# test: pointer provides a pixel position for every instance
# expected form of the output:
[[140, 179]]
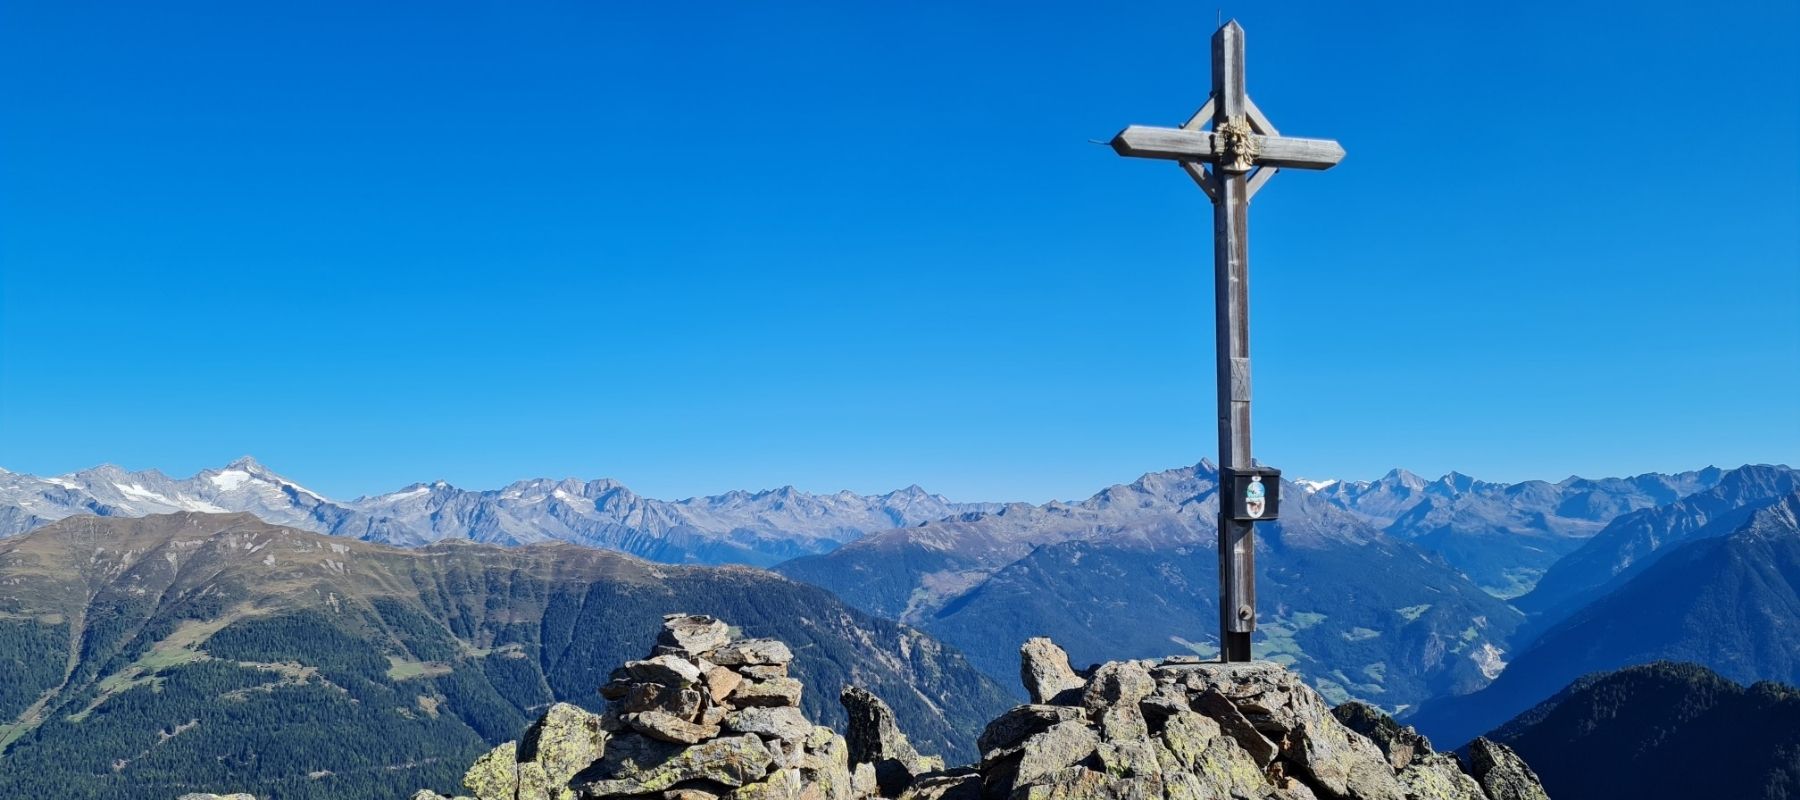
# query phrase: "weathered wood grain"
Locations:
[[1177, 144], [1231, 301], [1232, 179]]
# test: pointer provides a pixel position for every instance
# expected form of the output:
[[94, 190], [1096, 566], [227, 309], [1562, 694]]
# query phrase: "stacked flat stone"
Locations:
[[705, 716], [699, 683]]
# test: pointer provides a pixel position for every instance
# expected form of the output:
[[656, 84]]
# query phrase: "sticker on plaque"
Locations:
[[1255, 499]]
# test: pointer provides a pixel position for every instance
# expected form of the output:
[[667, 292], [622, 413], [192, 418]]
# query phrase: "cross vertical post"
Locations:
[[1231, 163], [1231, 299]]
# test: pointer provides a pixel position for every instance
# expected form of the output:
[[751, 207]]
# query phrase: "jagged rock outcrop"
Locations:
[[1427, 775], [711, 717], [1045, 671], [1502, 773], [874, 739], [1182, 728]]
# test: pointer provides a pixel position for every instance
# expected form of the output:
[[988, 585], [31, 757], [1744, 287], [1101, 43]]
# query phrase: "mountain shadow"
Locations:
[[1730, 603], [1663, 731]]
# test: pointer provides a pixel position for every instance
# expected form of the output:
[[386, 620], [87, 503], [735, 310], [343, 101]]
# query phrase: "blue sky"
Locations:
[[856, 245]]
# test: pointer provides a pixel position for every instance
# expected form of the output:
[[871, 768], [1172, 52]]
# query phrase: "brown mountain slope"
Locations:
[[146, 655]]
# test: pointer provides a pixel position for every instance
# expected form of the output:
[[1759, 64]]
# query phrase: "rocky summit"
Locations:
[[707, 715]]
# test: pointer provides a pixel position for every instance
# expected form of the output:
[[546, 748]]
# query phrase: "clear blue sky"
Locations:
[[854, 245]]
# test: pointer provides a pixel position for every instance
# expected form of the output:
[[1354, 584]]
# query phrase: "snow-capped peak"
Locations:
[[1315, 486]]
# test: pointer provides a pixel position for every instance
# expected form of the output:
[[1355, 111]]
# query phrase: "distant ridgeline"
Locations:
[[1450, 551], [1403, 593], [758, 528]]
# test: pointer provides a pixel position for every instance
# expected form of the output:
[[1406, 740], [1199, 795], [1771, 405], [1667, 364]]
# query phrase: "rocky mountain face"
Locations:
[[1132, 571], [1634, 541], [146, 657], [1176, 728], [1730, 603], [758, 528], [28, 502], [1663, 731], [1504, 536]]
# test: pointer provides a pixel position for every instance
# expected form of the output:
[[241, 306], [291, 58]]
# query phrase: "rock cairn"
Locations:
[[711, 717], [705, 716]]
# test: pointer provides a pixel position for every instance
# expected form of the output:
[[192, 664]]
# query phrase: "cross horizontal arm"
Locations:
[[1175, 144]]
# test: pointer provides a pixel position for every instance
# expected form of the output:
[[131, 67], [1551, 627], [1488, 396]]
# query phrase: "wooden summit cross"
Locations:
[[1231, 162]]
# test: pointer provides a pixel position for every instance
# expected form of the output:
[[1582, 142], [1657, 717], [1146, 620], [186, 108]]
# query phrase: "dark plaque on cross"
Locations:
[[1231, 162]]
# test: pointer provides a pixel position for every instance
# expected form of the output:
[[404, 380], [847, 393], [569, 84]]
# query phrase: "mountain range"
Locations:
[[1133, 572], [1505, 536], [1453, 603], [148, 657], [1718, 586], [759, 528], [1393, 591]]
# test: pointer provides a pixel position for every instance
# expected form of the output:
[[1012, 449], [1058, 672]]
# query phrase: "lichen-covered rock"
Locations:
[[954, 785], [782, 784], [670, 728], [1234, 724], [772, 692], [1334, 761], [696, 634], [1438, 776], [563, 742], [825, 768], [751, 653], [721, 682], [641, 765], [495, 775], [1200, 761], [874, 738], [1076, 783], [667, 670], [1502, 774], [681, 702], [1045, 671], [1013, 727], [1425, 774], [785, 723], [1063, 745], [1117, 683], [1401, 743]]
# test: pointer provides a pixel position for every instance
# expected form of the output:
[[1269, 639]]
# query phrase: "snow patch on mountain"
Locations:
[[738, 527], [230, 479]]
